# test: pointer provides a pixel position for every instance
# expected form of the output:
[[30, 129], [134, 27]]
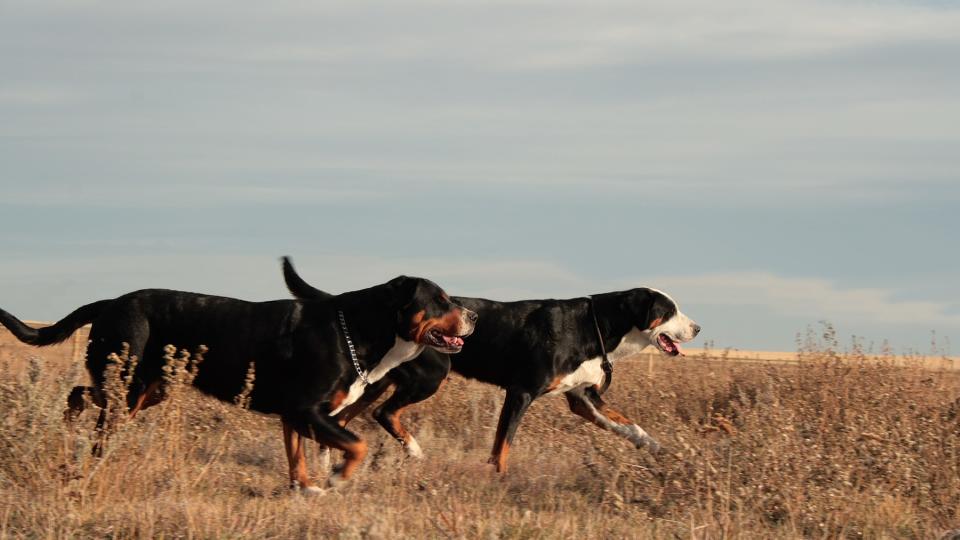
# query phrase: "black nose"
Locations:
[[696, 329], [472, 316]]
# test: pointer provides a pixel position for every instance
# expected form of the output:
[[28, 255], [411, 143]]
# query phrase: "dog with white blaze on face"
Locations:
[[533, 348], [312, 357]]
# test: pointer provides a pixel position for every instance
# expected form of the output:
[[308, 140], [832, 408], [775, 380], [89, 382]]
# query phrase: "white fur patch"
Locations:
[[586, 374], [590, 373], [307, 491], [402, 351], [335, 479], [679, 327], [413, 448]]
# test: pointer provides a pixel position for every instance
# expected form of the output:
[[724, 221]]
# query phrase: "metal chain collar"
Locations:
[[353, 351]]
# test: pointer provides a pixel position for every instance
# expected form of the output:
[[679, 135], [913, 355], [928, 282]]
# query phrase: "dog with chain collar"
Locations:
[[306, 371]]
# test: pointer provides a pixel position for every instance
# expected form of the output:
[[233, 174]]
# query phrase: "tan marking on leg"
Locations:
[[348, 414], [500, 457], [613, 415], [353, 455], [555, 383], [398, 429], [338, 396], [351, 411], [581, 408], [150, 397], [501, 448], [296, 458]]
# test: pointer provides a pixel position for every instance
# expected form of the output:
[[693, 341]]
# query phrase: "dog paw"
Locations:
[[336, 478], [310, 491], [641, 439], [653, 446], [306, 491], [413, 449]]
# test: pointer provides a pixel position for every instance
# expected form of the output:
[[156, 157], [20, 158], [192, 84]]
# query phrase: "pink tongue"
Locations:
[[671, 345], [453, 341]]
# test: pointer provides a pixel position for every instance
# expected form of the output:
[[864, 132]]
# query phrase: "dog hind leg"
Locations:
[[327, 431], [77, 402], [103, 344]]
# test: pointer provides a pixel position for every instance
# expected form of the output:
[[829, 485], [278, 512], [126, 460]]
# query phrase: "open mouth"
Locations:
[[437, 339], [668, 345]]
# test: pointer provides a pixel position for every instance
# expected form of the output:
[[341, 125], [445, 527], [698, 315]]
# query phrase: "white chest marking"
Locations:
[[401, 352], [586, 374], [590, 373]]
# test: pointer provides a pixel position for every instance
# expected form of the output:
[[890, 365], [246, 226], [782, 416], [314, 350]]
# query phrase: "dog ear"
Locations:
[[402, 290], [661, 309], [648, 308]]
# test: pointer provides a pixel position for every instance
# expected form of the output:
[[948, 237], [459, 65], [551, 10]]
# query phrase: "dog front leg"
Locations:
[[588, 404]]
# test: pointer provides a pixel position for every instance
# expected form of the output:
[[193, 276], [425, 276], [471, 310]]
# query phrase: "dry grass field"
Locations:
[[831, 445]]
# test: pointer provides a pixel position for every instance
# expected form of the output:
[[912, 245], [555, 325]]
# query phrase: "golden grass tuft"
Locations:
[[835, 445]]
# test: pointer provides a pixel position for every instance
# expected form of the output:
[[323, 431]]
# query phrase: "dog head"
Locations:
[[427, 315], [659, 321]]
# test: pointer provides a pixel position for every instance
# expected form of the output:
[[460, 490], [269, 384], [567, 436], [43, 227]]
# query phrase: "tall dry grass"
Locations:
[[836, 445]]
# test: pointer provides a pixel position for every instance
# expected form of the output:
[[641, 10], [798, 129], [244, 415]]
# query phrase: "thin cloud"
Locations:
[[808, 297], [812, 297]]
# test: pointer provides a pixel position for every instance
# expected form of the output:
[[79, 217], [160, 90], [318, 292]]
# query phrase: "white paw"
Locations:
[[336, 478], [306, 491], [652, 445], [413, 448], [310, 491], [324, 458], [641, 438]]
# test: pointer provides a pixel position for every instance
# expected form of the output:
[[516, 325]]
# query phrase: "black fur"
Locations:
[[55, 333]]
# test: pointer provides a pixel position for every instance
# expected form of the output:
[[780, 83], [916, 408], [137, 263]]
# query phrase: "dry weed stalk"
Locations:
[[242, 399], [842, 444]]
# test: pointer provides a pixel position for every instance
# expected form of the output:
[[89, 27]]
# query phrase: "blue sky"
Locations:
[[770, 164]]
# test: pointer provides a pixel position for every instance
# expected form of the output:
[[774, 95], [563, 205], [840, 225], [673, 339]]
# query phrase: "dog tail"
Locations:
[[59, 331], [298, 287]]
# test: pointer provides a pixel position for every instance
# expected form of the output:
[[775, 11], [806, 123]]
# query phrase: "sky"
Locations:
[[771, 165]]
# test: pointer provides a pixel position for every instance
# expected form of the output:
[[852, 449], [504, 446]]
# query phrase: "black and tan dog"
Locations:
[[302, 363], [532, 348]]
